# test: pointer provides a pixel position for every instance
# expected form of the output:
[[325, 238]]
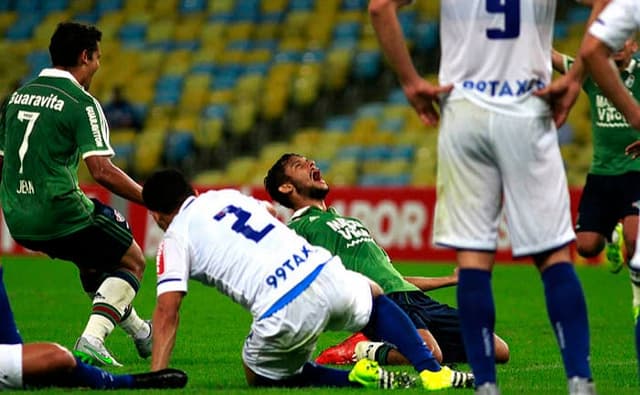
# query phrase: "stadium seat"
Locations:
[[178, 148], [192, 6]]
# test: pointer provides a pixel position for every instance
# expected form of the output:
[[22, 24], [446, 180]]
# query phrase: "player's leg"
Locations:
[[48, 364], [467, 217], [8, 331], [567, 311]]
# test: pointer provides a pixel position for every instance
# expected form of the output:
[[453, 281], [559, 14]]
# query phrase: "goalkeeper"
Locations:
[[296, 183]]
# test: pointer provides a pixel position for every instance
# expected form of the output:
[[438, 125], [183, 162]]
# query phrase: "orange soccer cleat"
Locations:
[[343, 353]]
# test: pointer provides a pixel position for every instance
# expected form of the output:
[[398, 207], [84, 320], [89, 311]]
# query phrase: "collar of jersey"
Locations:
[[57, 73], [309, 210]]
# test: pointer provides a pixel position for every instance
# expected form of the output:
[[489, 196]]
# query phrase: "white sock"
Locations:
[[135, 326], [109, 304]]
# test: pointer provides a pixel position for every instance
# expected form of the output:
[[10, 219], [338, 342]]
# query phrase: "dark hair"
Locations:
[[276, 177], [69, 40], [165, 190]]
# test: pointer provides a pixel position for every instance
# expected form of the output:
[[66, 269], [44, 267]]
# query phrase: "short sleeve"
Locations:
[[617, 22], [92, 131], [172, 266]]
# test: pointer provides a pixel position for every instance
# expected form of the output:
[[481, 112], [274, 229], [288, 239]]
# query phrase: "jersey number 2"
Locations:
[[31, 118], [240, 226], [511, 11]]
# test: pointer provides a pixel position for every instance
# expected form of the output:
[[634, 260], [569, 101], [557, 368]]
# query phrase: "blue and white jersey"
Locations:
[[230, 241], [616, 23], [496, 52]]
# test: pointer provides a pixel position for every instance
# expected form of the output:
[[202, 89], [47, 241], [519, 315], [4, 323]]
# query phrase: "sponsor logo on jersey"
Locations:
[[95, 127], [608, 115], [502, 88], [51, 102]]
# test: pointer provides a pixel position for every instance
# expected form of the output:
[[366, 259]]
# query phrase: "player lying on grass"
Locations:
[[296, 183], [39, 365], [295, 291]]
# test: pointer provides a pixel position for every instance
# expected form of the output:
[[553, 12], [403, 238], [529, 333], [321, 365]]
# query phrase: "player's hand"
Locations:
[[633, 149], [424, 97], [561, 94]]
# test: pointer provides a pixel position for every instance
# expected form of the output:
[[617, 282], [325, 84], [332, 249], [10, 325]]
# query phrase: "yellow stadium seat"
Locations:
[[164, 8], [242, 117], [274, 6], [239, 31], [137, 6], [148, 152], [266, 31], [239, 170], [189, 28], [220, 6], [160, 30], [122, 136], [209, 178], [220, 96], [209, 133], [185, 122]]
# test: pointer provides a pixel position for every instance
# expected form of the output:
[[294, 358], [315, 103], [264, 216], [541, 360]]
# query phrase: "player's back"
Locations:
[[496, 52], [236, 245], [41, 155]]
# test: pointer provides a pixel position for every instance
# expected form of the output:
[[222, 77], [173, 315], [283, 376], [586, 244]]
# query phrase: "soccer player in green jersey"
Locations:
[[296, 183], [613, 182], [47, 126]]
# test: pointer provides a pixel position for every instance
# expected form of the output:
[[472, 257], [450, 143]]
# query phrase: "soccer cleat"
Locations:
[[144, 345], [370, 375], [165, 378], [487, 389], [581, 386], [93, 352], [343, 353], [446, 378], [636, 313], [614, 250]]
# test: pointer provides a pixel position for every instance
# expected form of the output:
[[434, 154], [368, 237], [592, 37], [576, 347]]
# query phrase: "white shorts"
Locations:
[[488, 161], [10, 366], [338, 299]]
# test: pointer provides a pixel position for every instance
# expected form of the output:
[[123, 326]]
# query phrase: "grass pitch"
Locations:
[[49, 304]]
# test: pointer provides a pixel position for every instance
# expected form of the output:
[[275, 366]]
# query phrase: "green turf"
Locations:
[[49, 305]]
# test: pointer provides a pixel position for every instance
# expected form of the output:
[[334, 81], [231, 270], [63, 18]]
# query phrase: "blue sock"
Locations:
[[312, 375], [568, 315], [8, 331], [89, 376], [638, 344], [389, 323], [477, 322]]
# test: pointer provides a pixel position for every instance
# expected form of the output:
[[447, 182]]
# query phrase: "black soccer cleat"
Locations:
[[165, 378]]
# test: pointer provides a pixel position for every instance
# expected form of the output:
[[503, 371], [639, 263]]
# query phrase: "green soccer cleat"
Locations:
[[636, 313], [93, 352], [446, 378], [370, 375], [613, 250]]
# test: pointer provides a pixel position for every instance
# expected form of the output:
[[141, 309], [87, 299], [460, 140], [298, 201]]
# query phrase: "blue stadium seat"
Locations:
[[393, 125], [560, 30], [367, 65], [354, 5], [54, 5], [350, 152], [397, 96], [38, 60], [6, 5], [370, 110], [247, 10], [179, 146], [27, 6], [302, 5], [133, 32], [407, 21], [376, 152], [192, 6], [342, 123], [347, 30], [426, 36], [215, 111], [104, 6], [261, 68], [402, 151], [23, 27], [90, 17]]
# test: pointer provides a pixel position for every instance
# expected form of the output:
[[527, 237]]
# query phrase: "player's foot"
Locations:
[[614, 250], [636, 313], [446, 378], [487, 389], [165, 378], [144, 344], [370, 375], [581, 386], [92, 351], [343, 353], [367, 349]]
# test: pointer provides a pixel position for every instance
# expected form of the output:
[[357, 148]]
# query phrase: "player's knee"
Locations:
[[60, 357], [134, 261], [589, 250]]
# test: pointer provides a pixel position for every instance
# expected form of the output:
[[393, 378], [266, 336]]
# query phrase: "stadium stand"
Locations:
[[225, 86]]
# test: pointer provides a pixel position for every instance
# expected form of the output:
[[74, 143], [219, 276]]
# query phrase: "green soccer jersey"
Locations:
[[349, 239], [610, 130], [45, 128]]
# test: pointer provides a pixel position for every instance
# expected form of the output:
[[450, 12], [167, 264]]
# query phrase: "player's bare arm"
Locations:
[[113, 178], [426, 284], [596, 56], [421, 94], [166, 318]]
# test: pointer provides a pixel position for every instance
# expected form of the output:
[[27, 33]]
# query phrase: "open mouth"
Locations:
[[315, 175]]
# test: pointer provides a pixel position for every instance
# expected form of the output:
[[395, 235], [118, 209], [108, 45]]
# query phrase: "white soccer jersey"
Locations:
[[496, 52], [230, 241], [617, 22]]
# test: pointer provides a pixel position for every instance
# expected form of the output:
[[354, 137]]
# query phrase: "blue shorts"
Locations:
[[440, 319], [606, 200]]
